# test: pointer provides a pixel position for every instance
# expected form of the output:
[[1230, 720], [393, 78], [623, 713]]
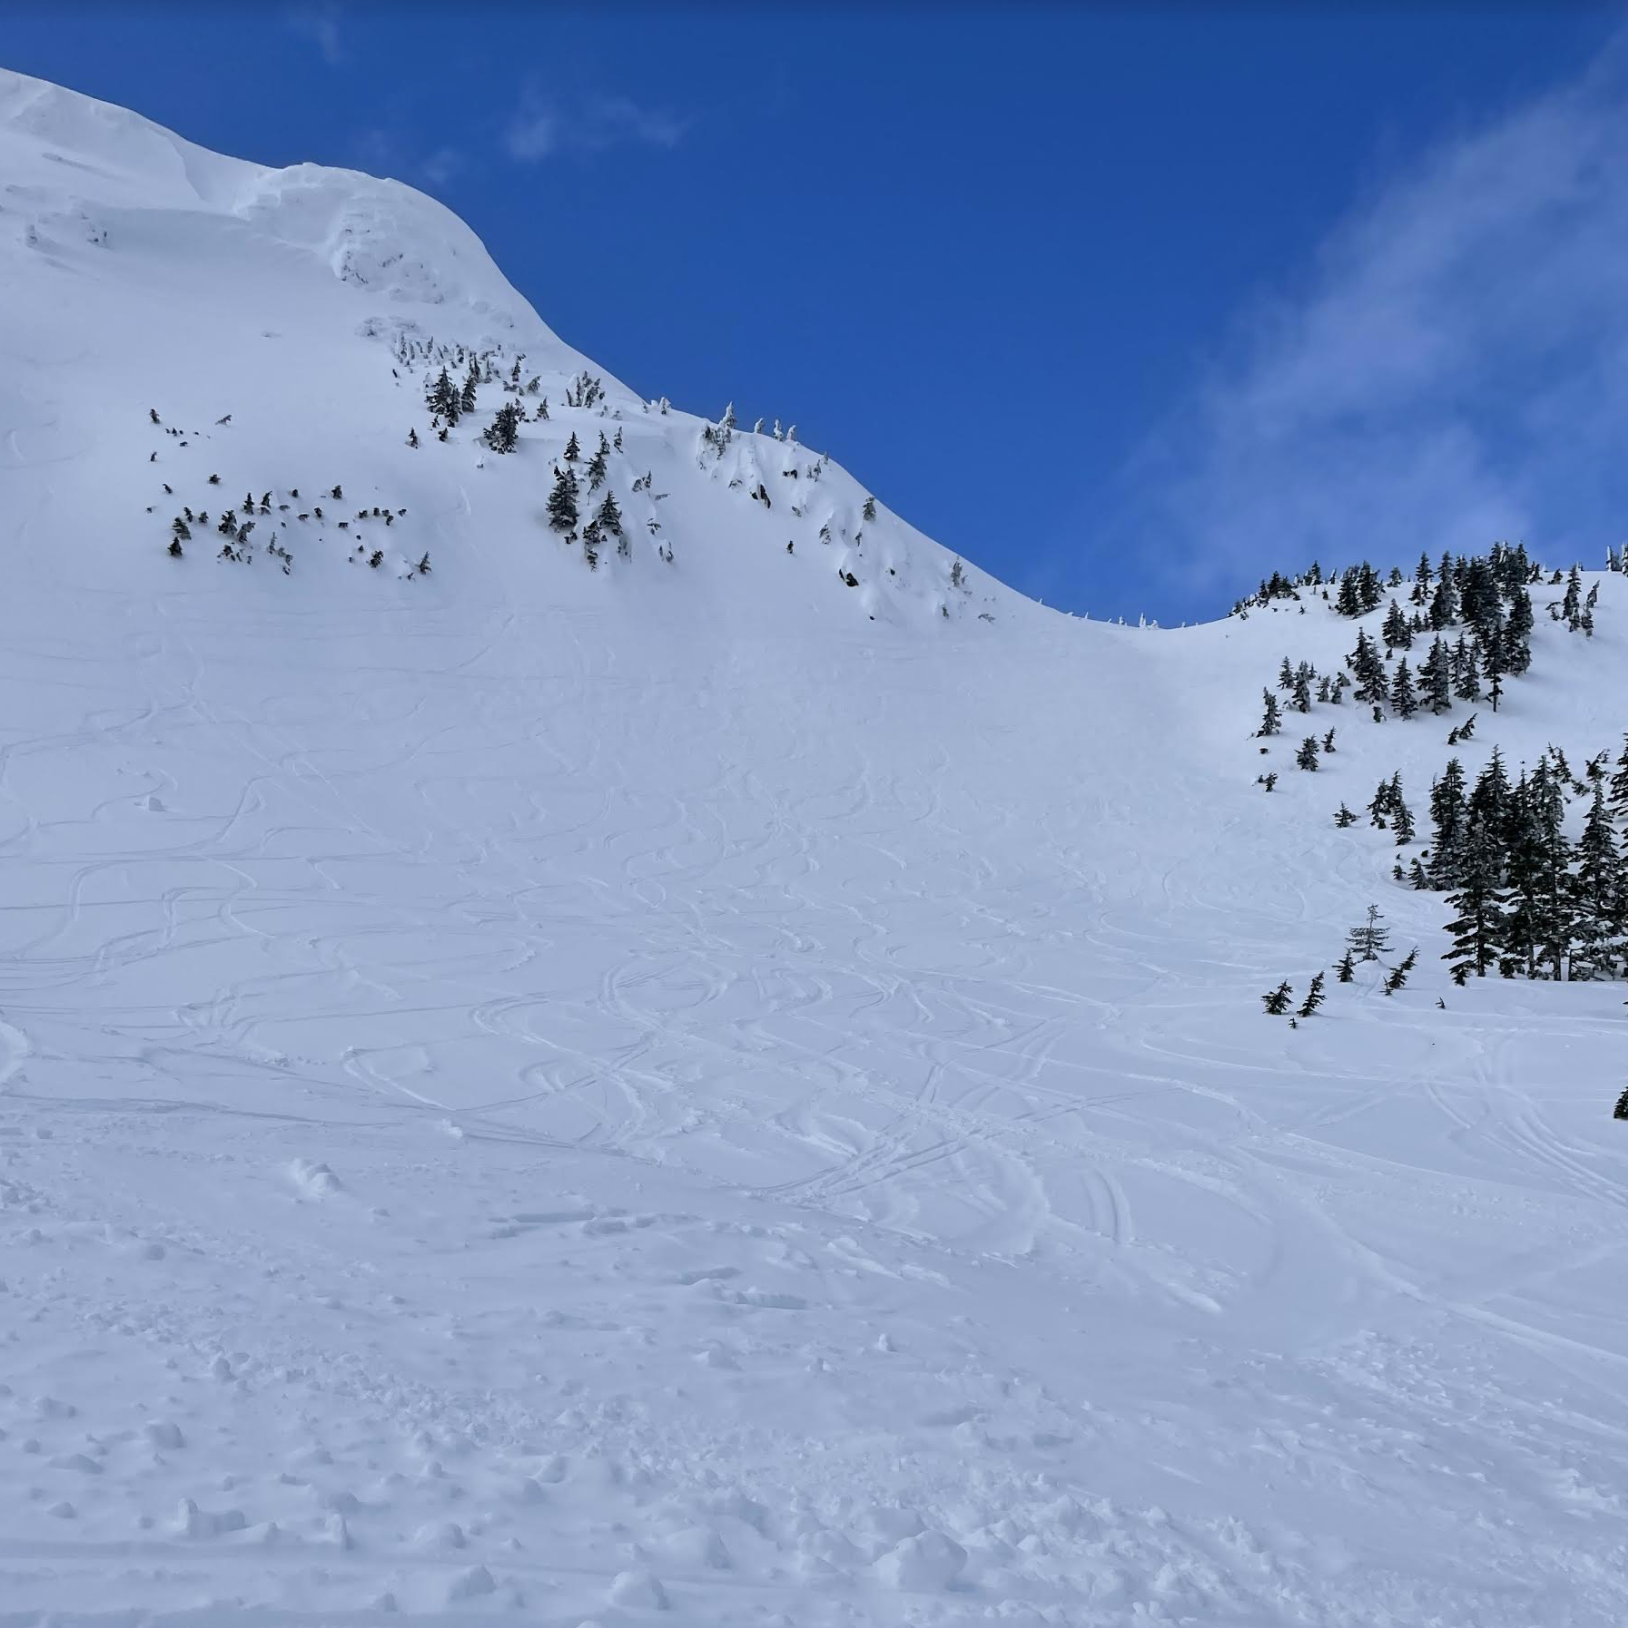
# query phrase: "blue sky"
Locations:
[[1128, 304]]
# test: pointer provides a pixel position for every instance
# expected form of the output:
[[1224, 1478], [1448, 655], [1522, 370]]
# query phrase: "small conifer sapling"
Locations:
[[1314, 996]]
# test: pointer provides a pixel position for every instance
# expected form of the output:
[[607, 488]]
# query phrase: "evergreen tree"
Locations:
[[1489, 801], [503, 433], [598, 468], [466, 396], [1478, 596], [1619, 782], [1621, 1110], [1399, 973], [1401, 817], [1285, 675], [1328, 741], [1422, 578], [1447, 818], [1403, 703], [1369, 941], [1435, 678], [1571, 606], [1539, 918], [1346, 971], [1273, 721], [1314, 997], [573, 450], [1306, 757], [1369, 668], [1492, 663], [1369, 589], [1466, 671], [562, 501], [442, 398], [1276, 1001], [1518, 633], [1477, 928], [1380, 804], [1597, 895], [1396, 632], [1343, 817], [609, 518], [1444, 605]]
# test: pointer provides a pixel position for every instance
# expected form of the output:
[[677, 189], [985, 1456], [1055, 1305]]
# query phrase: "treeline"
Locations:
[[1486, 602]]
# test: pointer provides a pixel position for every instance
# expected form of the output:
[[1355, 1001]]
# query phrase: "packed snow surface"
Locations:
[[702, 1091]]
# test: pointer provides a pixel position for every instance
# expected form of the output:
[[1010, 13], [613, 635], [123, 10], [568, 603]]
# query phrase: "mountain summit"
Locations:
[[594, 1026]]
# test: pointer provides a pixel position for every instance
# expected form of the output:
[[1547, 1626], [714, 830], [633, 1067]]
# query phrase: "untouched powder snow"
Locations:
[[694, 1091]]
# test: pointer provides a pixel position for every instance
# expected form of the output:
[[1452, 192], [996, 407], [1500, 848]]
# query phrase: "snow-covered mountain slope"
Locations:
[[556, 1094]]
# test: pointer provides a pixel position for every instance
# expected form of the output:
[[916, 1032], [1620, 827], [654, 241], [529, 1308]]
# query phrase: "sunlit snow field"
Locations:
[[558, 1095]]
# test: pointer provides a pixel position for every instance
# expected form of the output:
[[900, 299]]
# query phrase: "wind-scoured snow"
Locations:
[[695, 1091]]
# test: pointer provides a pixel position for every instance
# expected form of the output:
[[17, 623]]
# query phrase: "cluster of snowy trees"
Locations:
[[448, 398], [236, 525], [1529, 899], [718, 436], [1470, 629], [1457, 588], [565, 501], [1368, 942], [571, 513]]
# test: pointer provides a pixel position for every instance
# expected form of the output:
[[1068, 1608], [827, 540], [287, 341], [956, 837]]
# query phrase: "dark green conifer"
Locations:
[[562, 501], [1314, 997]]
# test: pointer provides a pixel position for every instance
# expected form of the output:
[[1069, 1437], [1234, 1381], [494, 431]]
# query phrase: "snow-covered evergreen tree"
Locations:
[[1369, 941], [1314, 996], [503, 433], [562, 501]]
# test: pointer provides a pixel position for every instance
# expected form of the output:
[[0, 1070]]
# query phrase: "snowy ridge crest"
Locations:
[[378, 235]]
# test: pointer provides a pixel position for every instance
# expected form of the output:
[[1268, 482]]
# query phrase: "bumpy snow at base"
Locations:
[[701, 1090]]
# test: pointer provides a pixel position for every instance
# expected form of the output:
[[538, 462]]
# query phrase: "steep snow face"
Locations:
[[63, 150], [730, 1083]]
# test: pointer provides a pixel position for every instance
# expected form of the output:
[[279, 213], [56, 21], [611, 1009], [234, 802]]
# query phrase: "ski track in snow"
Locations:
[[544, 1096]]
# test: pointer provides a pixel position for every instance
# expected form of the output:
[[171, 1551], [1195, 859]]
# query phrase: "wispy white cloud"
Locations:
[[532, 132], [377, 151], [614, 118], [539, 127], [380, 151], [443, 165], [319, 23], [1451, 368]]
